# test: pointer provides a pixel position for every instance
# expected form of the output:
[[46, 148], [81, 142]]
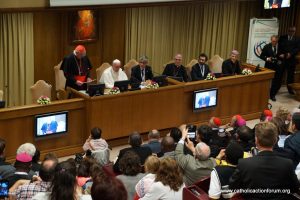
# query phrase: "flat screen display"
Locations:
[[274, 4], [203, 99], [50, 124]]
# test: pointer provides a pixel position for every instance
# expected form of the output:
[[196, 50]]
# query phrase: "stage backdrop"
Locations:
[[260, 32]]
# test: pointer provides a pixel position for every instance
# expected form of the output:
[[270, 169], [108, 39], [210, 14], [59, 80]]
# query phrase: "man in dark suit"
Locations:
[[141, 72], [200, 70], [289, 46], [260, 176], [176, 69], [232, 66], [270, 54], [135, 141]]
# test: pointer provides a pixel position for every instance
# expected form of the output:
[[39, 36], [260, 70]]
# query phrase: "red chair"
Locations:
[[203, 184], [193, 192]]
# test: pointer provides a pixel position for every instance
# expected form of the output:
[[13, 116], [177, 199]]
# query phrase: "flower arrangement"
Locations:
[[246, 71], [114, 90], [43, 100], [210, 76], [152, 85]]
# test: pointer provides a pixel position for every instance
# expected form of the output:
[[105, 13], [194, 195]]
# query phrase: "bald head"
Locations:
[[154, 134], [116, 64], [178, 59], [202, 151]]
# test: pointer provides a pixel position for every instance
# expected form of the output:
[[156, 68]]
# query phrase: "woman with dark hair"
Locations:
[[64, 185], [108, 188], [168, 182], [130, 166]]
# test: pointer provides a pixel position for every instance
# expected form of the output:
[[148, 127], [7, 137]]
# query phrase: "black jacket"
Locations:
[[196, 74], [136, 74]]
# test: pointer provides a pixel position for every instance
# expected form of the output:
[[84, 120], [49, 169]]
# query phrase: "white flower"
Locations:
[[246, 71], [43, 100], [152, 85], [114, 90], [210, 76]]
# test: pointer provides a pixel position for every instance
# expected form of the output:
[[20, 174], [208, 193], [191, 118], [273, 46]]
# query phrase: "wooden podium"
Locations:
[[142, 110]]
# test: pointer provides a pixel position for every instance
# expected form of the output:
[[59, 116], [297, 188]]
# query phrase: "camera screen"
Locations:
[[4, 188]]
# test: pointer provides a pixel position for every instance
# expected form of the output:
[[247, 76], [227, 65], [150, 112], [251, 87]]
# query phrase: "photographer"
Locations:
[[270, 54]]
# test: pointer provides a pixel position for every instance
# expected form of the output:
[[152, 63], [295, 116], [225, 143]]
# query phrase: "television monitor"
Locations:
[[50, 124], [122, 85], [204, 99], [160, 80], [180, 79], [274, 4], [95, 89]]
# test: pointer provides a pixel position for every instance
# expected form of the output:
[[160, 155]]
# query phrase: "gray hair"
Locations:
[[116, 61], [27, 148], [154, 134], [202, 151], [235, 52], [143, 59]]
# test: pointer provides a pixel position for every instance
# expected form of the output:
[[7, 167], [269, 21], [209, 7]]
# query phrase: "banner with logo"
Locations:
[[260, 32]]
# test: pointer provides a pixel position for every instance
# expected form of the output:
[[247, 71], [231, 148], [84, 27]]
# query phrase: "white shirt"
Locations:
[[215, 189], [158, 191], [109, 76]]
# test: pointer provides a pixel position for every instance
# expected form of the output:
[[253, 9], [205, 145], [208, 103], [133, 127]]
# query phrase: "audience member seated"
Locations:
[[135, 141], [266, 171], [113, 74], [232, 66], [151, 167], [153, 141], [22, 165], [35, 161], [168, 182], [236, 122], [219, 137], [266, 116], [205, 134], [167, 147], [142, 72], [200, 69], [130, 166], [64, 185], [46, 174], [6, 169], [176, 69], [245, 138], [108, 188], [176, 134], [286, 116], [282, 131], [292, 143], [219, 179], [95, 142], [84, 174], [197, 166]]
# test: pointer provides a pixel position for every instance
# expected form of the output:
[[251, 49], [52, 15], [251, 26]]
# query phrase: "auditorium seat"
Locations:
[[128, 66], [101, 69], [60, 82], [215, 64], [189, 67], [40, 88]]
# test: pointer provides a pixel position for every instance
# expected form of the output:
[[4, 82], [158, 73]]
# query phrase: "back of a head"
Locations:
[[2, 147], [202, 151], [266, 134], [233, 153], [205, 133], [296, 120], [245, 134], [130, 164], [135, 140], [47, 170], [108, 188], [169, 173], [64, 181], [27, 148], [154, 134], [167, 144], [96, 133], [281, 126], [283, 113], [152, 164], [176, 134], [215, 122]]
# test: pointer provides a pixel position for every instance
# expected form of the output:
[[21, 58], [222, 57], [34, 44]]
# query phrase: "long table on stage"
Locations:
[[142, 110]]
